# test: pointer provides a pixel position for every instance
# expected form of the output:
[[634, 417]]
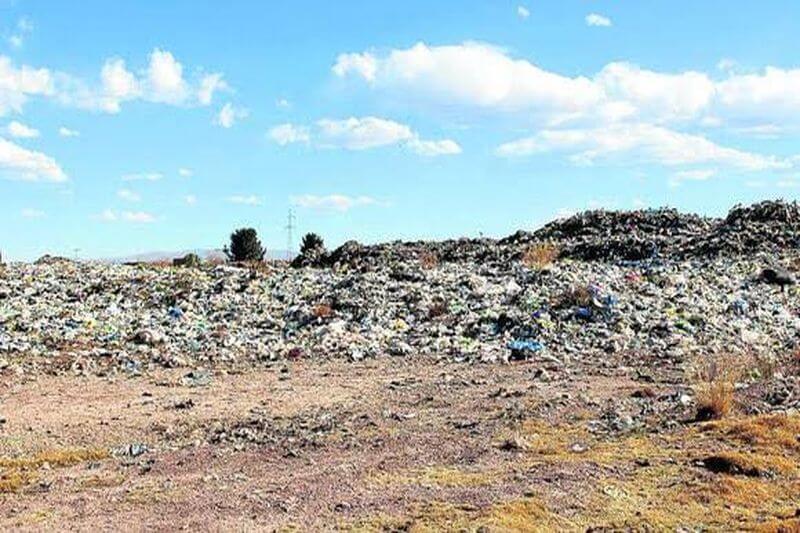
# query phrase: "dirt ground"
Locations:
[[388, 445]]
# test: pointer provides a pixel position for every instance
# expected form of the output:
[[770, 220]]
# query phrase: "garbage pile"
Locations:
[[770, 226], [600, 235], [99, 318]]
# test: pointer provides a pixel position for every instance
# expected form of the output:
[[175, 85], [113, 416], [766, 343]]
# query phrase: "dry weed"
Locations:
[[540, 255]]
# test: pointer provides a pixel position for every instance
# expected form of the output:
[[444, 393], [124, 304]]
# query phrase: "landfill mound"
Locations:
[[600, 235], [99, 318], [770, 226]]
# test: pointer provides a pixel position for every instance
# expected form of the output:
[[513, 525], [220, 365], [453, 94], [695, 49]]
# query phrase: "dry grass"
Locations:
[[429, 260], [19, 472], [578, 296], [766, 431], [717, 379], [66, 457], [438, 476], [540, 255]]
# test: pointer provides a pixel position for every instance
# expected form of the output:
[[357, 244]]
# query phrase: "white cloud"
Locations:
[[434, 148], [654, 95], [638, 143], [144, 176], [245, 200], [283, 103], [361, 134], [190, 199], [284, 134], [229, 114], [593, 19], [487, 79], [32, 213], [119, 83], [334, 202], [16, 41], [128, 195], [21, 131], [365, 65], [772, 96], [138, 217], [19, 83], [66, 132], [185, 172], [208, 86], [165, 78], [523, 12], [20, 163], [162, 81], [475, 74]]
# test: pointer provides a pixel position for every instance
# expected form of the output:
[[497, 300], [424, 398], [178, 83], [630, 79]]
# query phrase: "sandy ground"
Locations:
[[386, 445]]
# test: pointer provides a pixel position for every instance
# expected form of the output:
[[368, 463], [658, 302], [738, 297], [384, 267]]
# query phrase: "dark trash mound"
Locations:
[[602, 235], [769, 226], [599, 235]]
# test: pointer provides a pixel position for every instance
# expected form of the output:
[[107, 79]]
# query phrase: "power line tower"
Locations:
[[289, 235]]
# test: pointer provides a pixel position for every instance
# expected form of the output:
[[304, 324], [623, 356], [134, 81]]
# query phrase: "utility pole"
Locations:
[[289, 230]]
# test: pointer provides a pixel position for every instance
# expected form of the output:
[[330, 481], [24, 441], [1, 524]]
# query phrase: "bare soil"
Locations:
[[388, 445]]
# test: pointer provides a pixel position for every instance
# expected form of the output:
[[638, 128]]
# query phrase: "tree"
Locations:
[[245, 246], [311, 242]]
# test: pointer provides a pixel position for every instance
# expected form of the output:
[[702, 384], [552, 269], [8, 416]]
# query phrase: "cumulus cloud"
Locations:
[[523, 12], [638, 143], [165, 77], [472, 74], [245, 199], [161, 81], [20, 163], [488, 79], [185, 172], [209, 85], [594, 19], [334, 202], [361, 134], [21, 131], [364, 65], [190, 199], [66, 132], [17, 84], [654, 95], [229, 115], [284, 134]]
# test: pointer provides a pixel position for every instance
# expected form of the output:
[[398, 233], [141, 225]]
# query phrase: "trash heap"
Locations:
[[99, 318], [600, 235]]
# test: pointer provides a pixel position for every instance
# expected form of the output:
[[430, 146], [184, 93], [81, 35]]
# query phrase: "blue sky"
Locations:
[[131, 127]]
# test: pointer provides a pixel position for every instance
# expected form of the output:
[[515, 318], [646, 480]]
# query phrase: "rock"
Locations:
[[196, 378]]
